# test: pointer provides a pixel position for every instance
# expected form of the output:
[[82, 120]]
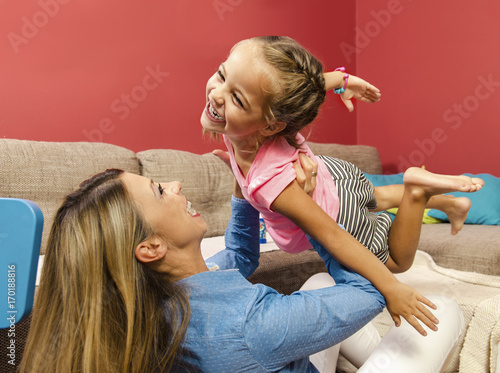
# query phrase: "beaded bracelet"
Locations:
[[346, 78]]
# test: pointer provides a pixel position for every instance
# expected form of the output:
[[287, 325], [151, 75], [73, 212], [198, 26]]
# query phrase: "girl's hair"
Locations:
[[98, 309], [301, 85]]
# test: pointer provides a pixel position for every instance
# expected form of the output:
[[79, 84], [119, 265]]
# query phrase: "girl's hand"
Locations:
[[403, 300], [359, 89]]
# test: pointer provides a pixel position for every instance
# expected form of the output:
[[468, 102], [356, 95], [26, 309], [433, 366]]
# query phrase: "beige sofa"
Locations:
[[465, 267]]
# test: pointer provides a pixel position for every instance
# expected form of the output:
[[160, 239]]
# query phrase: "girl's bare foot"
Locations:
[[457, 213], [432, 184]]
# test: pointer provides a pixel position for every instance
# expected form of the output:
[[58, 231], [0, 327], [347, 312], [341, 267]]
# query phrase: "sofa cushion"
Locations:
[[206, 181], [475, 248], [45, 172]]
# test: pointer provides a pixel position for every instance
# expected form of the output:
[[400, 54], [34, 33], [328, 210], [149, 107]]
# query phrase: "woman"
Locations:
[[124, 288], [98, 309]]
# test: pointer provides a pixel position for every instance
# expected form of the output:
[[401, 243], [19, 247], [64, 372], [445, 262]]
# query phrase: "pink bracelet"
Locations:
[[346, 78]]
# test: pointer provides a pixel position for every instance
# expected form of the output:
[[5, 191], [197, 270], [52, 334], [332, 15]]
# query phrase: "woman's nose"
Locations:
[[174, 187]]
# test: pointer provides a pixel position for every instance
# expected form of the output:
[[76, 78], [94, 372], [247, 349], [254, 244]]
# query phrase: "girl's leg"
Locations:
[[388, 196], [419, 187], [456, 208], [403, 349]]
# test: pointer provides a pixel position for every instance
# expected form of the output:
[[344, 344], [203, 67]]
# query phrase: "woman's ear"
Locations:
[[273, 128], [150, 250]]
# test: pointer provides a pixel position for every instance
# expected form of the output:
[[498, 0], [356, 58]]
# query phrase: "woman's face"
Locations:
[[166, 209]]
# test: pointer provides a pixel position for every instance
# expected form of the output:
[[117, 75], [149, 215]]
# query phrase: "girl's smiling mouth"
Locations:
[[213, 113]]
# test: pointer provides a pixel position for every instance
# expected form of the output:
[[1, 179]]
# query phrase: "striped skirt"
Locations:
[[356, 199]]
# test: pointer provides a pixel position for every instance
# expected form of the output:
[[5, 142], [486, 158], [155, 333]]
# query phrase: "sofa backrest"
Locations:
[[208, 183], [45, 172], [364, 156]]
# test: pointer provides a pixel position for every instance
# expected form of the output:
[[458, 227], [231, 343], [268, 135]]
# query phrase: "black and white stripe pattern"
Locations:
[[356, 199]]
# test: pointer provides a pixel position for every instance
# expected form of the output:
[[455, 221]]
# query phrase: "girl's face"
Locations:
[[166, 209], [236, 95]]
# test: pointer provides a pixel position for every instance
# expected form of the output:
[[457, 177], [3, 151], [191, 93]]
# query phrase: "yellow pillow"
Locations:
[[426, 219]]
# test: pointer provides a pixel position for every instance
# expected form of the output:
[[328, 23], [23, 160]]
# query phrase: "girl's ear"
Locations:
[[150, 250], [273, 128]]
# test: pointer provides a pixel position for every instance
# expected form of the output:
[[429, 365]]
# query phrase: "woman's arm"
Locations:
[[241, 238], [306, 214], [280, 329], [242, 234]]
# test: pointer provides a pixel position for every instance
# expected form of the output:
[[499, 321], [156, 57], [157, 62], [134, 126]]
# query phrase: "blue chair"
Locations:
[[21, 224]]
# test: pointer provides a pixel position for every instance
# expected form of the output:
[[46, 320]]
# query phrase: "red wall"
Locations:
[[134, 73], [437, 65]]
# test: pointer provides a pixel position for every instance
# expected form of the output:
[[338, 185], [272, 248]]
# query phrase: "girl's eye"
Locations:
[[236, 98], [238, 101], [160, 189]]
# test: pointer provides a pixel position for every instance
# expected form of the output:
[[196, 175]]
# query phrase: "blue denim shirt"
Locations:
[[237, 326]]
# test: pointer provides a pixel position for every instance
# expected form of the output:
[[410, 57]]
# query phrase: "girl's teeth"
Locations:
[[213, 112]]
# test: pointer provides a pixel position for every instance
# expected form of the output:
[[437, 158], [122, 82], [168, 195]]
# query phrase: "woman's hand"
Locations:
[[359, 89], [306, 169], [403, 300], [223, 156]]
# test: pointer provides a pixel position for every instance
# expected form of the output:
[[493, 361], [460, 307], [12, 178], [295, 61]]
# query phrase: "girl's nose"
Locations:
[[217, 95]]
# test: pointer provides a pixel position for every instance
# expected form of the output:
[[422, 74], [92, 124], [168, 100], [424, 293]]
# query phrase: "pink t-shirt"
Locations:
[[271, 172]]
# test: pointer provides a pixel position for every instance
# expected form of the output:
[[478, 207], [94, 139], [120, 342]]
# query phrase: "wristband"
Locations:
[[346, 78]]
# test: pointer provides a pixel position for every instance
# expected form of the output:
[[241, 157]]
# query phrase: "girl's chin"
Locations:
[[210, 126]]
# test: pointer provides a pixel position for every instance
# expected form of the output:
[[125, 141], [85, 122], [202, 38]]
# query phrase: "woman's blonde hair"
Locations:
[[98, 309], [300, 85]]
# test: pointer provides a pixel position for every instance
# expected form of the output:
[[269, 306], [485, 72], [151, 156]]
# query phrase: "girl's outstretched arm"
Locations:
[[356, 88], [401, 299]]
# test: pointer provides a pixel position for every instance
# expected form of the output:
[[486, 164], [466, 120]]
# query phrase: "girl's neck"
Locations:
[[245, 153]]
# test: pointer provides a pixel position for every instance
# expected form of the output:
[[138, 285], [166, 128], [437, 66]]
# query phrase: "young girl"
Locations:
[[268, 90]]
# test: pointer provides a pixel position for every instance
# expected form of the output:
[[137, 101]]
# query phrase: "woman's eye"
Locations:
[[221, 76], [160, 189]]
